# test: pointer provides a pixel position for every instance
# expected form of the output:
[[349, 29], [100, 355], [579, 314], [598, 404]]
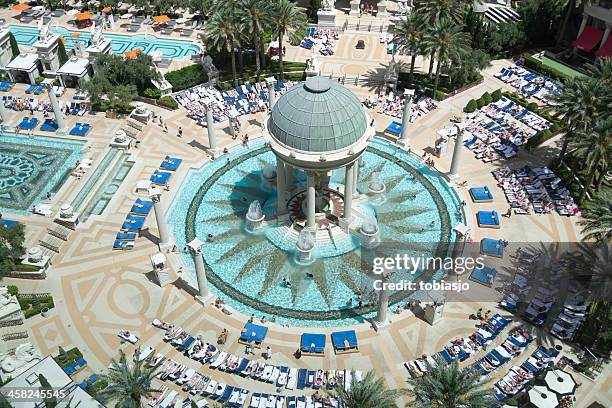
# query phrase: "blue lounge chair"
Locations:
[[160, 177], [123, 245], [310, 378], [291, 402], [141, 207], [493, 247], [483, 275], [446, 356], [186, 343], [126, 236], [481, 194], [283, 370], [253, 333], [30, 89], [39, 90], [488, 219], [301, 381], [312, 344], [50, 125], [243, 364], [345, 341], [394, 129], [170, 163], [226, 394], [133, 223]]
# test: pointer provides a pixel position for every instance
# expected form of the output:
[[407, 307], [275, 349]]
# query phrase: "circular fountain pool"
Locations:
[[249, 267]]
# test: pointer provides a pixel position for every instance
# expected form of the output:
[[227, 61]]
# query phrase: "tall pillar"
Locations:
[[408, 95], [164, 236], [288, 177], [355, 178], [59, 118], [210, 125], [310, 201], [200, 272], [270, 83], [3, 113], [457, 151], [281, 196], [381, 318], [349, 181]]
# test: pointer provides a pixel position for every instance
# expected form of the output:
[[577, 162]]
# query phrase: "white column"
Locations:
[[3, 113], [281, 196], [164, 236], [457, 151], [382, 9], [200, 272], [606, 34], [310, 201], [288, 177], [354, 7], [355, 177], [383, 304], [349, 180], [59, 117], [408, 95], [32, 78], [210, 125], [583, 23], [270, 82]]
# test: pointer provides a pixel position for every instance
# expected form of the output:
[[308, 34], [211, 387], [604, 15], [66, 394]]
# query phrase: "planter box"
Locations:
[[44, 312]]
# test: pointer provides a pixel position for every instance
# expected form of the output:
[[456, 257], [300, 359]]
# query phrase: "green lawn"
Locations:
[[549, 63]]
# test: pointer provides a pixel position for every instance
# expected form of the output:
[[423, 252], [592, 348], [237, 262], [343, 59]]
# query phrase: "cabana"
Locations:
[[170, 163], [483, 275], [28, 123], [50, 125], [160, 177], [123, 245], [312, 344], [141, 207], [345, 342], [492, 247], [481, 194], [394, 129], [588, 39], [80, 129], [133, 223], [253, 334], [488, 219], [126, 236]]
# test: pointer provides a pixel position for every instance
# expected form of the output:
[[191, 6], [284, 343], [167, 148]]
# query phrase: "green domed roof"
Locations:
[[318, 115]]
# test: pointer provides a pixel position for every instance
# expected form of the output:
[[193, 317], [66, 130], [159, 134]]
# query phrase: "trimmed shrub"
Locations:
[[470, 107], [26, 268], [12, 289], [486, 97], [532, 106], [555, 128], [152, 93], [169, 102], [186, 77], [39, 79], [496, 95], [480, 102]]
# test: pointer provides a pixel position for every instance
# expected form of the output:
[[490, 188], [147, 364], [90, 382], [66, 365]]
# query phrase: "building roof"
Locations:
[[23, 62], [318, 115], [75, 66]]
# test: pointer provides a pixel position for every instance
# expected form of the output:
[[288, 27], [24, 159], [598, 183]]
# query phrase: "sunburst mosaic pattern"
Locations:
[[249, 270], [32, 166]]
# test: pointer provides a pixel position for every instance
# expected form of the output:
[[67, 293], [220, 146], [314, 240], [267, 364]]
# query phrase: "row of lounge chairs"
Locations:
[[132, 224], [461, 349], [569, 319], [521, 113], [535, 189], [393, 105], [519, 376], [35, 89], [528, 83], [514, 345]]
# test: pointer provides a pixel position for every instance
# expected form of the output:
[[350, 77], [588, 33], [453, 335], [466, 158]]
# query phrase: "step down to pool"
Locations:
[[131, 132], [135, 124], [52, 243], [59, 231], [47, 252]]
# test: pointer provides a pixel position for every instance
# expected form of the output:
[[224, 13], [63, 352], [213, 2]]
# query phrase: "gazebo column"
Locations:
[[457, 152], [281, 195], [270, 83], [164, 236], [288, 177], [210, 125], [349, 181], [606, 34], [355, 178], [408, 95], [59, 118], [310, 201], [32, 78]]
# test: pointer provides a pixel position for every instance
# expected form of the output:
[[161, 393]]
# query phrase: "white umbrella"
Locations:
[[542, 397], [560, 382], [72, 12]]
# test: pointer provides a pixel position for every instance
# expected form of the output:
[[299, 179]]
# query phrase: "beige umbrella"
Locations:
[[560, 382], [542, 397]]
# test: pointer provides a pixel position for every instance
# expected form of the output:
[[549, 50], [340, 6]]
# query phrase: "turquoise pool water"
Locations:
[[247, 270], [169, 48], [32, 166]]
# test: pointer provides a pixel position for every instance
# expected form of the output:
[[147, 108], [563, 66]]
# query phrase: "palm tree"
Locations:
[[596, 220], [409, 33], [223, 33], [448, 41], [128, 382], [288, 19], [256, 17], [592, 268], [594, 148], [578, 102], [430, 12], [448, 386], [369, 393]]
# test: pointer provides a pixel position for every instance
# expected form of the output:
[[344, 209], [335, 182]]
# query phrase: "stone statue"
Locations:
[[6, 298], [43, 31], [96, 35], [24, 357], [209, 68], [328, 5]]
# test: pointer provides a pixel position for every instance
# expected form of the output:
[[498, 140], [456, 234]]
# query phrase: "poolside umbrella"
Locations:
[[161, 19], [21, 7], [106, 10], [541, 397], [75, 35], [560, 382], [63, 40], [83, 16]]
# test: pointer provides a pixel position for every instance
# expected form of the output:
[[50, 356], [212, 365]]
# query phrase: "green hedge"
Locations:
[[152, 93], [26, 268], [186, 77], [496, 95], [71, 355], [536, 66], [103, 107], [168, 101], [471, 106], [12, 290], [32, 306]]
